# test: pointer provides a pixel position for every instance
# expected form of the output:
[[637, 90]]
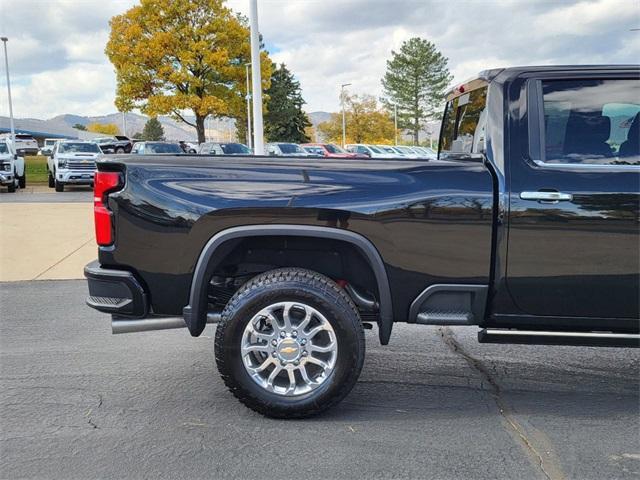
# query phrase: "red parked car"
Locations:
[[329, 150]]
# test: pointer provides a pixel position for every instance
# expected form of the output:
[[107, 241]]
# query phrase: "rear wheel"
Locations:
[[52, 182], [290, 343], [22, 181]]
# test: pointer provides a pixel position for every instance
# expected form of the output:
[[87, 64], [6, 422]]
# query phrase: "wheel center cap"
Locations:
[[288, 350]]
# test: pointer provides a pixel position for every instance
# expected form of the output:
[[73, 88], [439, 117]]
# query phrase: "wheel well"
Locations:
[[233, 255], [243, 259]]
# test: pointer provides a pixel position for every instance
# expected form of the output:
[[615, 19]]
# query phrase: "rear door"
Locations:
[[573, 246]]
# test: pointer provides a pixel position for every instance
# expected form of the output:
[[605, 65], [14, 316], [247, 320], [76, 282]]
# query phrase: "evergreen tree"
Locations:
[[285, 121], [153, 130], [415, 81]]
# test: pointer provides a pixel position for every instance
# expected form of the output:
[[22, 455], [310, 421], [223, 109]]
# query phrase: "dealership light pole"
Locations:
[[6, 64], [249, 143], [258, 141], [344, 118], [395, 121]]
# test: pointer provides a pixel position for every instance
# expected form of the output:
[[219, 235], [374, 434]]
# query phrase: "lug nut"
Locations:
[[297, 362], [282, 363], [303, 341], [274, 342], [304, 353], [274, 354], [283, 334], [294, 334]]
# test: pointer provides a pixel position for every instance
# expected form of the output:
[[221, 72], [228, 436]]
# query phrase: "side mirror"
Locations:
[[368, 154]]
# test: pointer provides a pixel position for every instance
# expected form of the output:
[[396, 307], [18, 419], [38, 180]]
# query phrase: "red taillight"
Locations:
[[103, 183]]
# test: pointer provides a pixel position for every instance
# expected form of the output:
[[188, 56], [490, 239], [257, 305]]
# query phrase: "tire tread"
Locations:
[[274, 277]]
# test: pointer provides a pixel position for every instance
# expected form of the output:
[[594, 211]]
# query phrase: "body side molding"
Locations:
[[195, 314]]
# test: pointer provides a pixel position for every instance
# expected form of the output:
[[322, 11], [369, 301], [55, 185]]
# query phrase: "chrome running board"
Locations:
[[533, 337]]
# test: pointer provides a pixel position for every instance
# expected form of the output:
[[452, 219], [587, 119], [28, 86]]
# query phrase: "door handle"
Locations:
[[552, 197]]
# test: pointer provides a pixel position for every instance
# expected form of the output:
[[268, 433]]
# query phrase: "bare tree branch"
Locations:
[[175, 112]]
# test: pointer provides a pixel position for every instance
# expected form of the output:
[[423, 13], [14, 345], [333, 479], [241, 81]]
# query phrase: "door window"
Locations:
[[591, 121]]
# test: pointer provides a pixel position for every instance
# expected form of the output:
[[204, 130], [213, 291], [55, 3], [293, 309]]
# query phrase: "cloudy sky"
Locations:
[[58, 64]]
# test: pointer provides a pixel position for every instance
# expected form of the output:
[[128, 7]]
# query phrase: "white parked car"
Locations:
[[25, 143], [12, 172], [370, 151], [72, 162], [389, 151], [48, 145], [217, 148], [284, 149], [406, 152], [425, 152]]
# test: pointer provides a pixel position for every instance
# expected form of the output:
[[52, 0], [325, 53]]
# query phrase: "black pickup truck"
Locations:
[[526, 226]]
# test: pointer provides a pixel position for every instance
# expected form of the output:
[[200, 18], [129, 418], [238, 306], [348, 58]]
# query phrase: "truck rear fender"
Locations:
[[221, 244]]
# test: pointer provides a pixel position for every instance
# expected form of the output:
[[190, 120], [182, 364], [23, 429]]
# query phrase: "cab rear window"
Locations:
[[463, 123]]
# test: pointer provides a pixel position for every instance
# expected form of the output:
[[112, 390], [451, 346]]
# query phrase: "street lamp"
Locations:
[[395, 122], [6, 64], [344, 118], [258, 140], [247, 65]]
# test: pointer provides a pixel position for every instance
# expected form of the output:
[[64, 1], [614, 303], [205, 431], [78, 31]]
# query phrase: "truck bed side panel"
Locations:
[[425, 230]]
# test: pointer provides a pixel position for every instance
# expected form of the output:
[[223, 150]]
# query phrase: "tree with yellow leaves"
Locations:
[[104, 128], [365, 122], [175, 56]]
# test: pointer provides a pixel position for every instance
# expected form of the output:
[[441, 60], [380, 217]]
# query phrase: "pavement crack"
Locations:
[[61, 260], [549, 467]]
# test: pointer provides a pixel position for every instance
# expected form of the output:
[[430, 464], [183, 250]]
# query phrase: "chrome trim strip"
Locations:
[[588, 166], [631, 336]]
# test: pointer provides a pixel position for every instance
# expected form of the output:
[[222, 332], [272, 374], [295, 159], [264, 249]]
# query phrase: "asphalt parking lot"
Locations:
[[78, 402]]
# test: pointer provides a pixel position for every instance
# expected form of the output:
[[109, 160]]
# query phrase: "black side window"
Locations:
[[592, 121], [463, 123]]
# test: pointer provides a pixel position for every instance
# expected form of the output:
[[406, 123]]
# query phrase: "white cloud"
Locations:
[[588, 17], [80, 88], [58, 62]]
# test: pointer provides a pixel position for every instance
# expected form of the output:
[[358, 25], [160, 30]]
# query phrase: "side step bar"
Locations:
[[126, 325], [533, 337]]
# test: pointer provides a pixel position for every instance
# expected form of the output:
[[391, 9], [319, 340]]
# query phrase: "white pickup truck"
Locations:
[[72, 162], [25, 143], [12, 172]]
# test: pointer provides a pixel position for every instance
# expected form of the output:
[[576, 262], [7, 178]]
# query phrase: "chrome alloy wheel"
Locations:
[[289, 348]]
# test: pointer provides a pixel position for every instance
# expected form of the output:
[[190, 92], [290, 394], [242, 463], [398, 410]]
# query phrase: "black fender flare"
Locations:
[[195, 314]]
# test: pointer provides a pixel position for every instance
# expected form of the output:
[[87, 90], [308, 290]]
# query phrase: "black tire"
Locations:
[[52, 182], [59, 186], [11, 188], [22, 181], [290, 284], [120, 150]]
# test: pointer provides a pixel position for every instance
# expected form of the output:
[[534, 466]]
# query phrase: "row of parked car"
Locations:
[[72, 162]]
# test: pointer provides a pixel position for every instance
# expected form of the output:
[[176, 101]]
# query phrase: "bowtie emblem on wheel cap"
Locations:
[[288, 349]]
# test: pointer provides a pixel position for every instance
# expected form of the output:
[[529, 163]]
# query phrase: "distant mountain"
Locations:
[[317, 118], [134, 124]]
